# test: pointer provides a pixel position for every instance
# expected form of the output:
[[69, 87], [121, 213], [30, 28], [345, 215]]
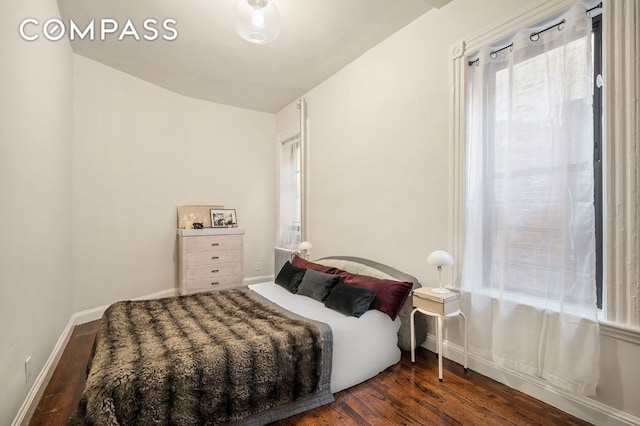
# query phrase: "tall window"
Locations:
[[534, 166], [530, 232], [289, 209]]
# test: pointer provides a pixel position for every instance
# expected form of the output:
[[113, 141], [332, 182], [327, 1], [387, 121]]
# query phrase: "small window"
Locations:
[[290, 195]]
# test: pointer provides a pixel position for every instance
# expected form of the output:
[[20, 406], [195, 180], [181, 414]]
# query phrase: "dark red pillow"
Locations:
[[305, 264], [390, 295]]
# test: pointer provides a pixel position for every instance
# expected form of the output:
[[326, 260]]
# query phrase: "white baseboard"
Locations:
[[37, 390], [35, 393], [96, 313], [256, 280], [579, 406]]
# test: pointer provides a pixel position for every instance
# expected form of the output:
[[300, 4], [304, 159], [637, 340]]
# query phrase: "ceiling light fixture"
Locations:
[[256, 21]]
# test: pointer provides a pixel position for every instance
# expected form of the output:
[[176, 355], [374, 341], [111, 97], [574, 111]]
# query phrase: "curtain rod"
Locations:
[[597, 6], [535, 36]]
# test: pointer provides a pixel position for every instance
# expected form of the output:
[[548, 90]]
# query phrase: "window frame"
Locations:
[[598, 141], [460, 55], [620, 314], [295, 226], [492, 179]]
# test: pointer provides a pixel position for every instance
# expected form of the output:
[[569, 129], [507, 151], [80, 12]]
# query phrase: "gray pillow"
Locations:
[[317, 285], [350, 300], [290, 277]]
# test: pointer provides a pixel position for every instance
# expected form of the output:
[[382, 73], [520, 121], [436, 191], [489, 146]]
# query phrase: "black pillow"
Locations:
[[317, 285], [350, 300], [290, 276]]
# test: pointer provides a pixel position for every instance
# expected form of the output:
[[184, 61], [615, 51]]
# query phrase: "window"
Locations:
[[289, 208], [615, 162], [526, 178], [534, 176]]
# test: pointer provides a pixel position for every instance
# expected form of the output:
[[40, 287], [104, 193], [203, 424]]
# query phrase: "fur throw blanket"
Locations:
[[207, 358]]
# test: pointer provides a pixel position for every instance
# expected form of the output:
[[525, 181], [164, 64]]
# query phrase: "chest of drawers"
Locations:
[[209, 259]]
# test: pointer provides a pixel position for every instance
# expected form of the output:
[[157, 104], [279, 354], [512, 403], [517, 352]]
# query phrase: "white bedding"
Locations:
[[362, 347]]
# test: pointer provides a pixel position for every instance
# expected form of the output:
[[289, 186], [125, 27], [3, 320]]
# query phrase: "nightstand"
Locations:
[[441, 306]]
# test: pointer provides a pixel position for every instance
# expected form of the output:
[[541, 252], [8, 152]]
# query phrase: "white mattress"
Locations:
[[362, 347]]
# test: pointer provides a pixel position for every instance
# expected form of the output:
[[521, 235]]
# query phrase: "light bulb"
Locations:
[[256, 21]]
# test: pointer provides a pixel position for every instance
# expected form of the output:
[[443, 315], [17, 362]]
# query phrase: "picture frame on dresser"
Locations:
[[188, 214], [220, 218]]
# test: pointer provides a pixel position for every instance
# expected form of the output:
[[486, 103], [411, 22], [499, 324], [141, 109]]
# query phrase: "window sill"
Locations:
[[607, 328], [620, 332], [537, 303]]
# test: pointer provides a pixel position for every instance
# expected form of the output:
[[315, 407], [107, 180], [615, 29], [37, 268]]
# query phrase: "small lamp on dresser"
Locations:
[[305, 249], [440, 258]]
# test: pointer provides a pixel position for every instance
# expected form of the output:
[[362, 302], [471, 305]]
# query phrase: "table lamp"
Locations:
[[305, 249], [440, 258]]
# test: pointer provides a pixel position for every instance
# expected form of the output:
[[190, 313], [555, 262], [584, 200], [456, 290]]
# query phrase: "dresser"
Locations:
[[209, 259]]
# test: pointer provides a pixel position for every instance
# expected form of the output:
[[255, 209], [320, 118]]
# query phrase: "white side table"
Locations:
[[440, 306]]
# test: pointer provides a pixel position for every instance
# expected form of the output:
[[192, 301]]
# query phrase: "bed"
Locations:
[[249, 355]]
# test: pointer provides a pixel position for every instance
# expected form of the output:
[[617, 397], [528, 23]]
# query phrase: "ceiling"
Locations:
[[209, 61]]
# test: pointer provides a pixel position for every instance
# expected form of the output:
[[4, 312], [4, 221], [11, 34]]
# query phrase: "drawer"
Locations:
[[213, 243], [211, 271], [213, 257], [209, 284], [440, 308]]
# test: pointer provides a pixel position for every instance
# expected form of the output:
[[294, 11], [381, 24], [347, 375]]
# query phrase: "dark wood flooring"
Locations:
[[404, 394]]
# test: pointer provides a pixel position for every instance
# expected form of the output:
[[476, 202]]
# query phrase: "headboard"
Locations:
[[361, 266]]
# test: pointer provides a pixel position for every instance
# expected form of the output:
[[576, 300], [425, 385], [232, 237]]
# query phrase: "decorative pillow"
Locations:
[[290, 276], [390, 295], [350, 300], [302, 263], [317, 285]]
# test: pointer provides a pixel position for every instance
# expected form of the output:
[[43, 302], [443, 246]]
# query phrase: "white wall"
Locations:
[[35, 192], [378, 152], [379, 161], [139, 151]]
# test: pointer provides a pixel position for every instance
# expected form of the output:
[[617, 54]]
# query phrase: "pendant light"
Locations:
[[256, 21]]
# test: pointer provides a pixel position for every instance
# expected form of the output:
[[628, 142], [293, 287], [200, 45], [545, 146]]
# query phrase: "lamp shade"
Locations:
[[256, 21], [305, 245], [440, 258]]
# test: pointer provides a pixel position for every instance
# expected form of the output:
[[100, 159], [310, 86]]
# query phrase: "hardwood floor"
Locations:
[[404, 394], [63, 391]]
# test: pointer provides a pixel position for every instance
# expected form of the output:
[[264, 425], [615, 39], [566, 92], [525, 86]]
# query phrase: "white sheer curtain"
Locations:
[[528, 275], [289, 194]]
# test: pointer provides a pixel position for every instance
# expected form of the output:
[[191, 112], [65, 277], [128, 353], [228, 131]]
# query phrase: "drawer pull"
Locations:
[[216, 283], [214, 258], [215, 244], [215, 271]]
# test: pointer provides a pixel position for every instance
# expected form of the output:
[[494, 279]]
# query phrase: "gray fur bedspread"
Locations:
[[207, 358]]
